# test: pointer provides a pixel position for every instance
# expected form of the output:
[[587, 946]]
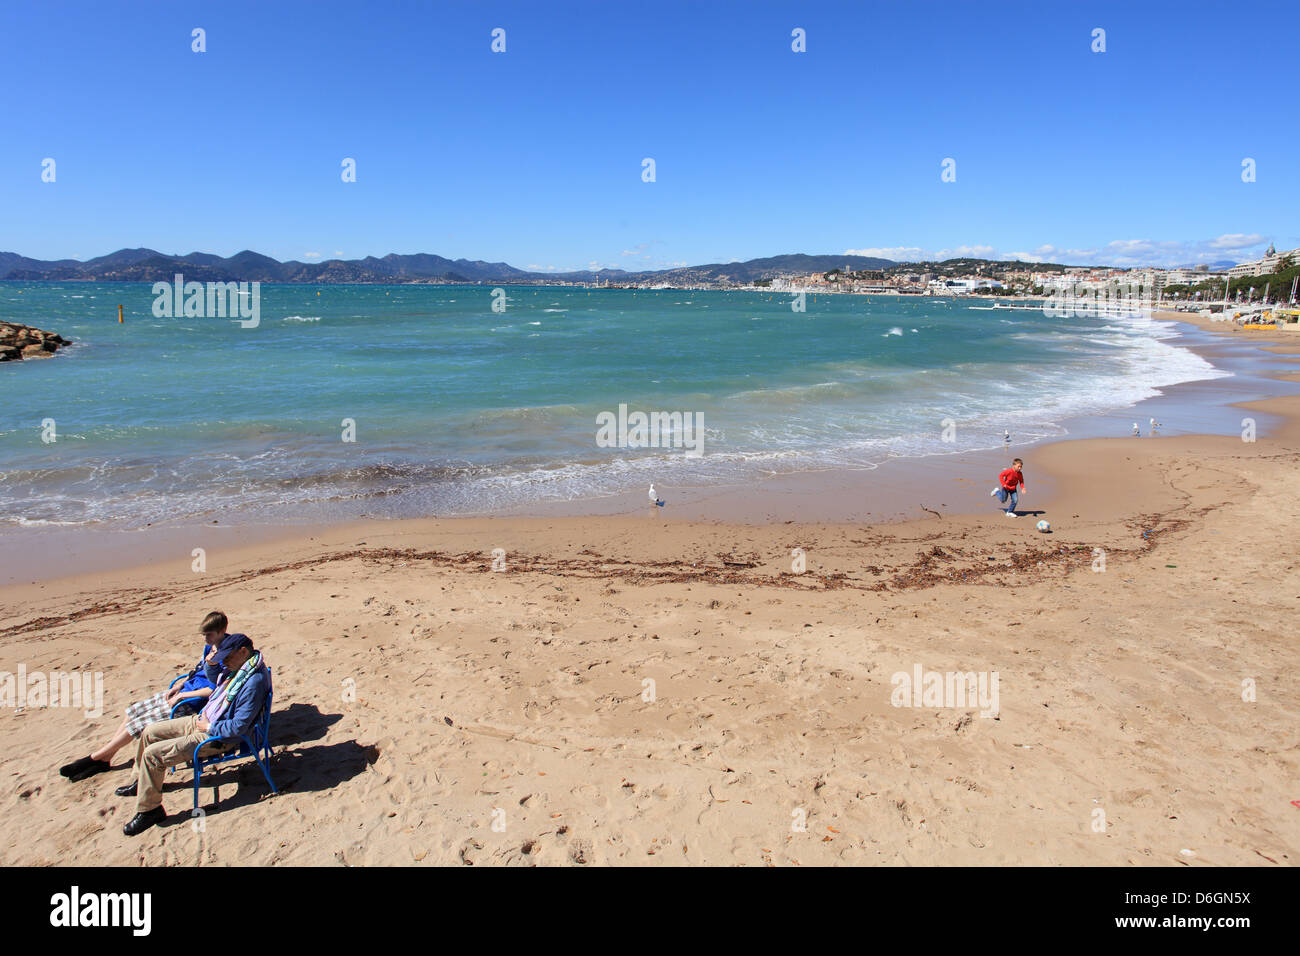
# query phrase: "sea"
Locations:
[[400, 401]]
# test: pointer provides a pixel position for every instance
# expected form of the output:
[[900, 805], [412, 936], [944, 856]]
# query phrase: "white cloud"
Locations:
[[1151, 252], [311, 255], [1127, 253], [899, 253], [917, 254], [975, 252], [1237, 240], [1041, 254]]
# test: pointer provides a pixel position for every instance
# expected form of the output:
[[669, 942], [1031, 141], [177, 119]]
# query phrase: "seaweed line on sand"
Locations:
[[938, 565]]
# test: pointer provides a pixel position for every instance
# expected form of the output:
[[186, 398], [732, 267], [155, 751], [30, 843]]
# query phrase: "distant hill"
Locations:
[[11, 262], [966, 266], [148, 265], [776, 265]]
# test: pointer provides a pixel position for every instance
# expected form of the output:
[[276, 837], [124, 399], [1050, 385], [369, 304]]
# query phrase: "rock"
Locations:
[[21, 341]]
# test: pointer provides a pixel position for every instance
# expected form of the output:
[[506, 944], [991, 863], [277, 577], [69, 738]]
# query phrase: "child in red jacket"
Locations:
[[1008, 481]]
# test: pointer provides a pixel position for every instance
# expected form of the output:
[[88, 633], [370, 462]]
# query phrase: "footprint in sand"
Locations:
[[580, 851], [593, 794]]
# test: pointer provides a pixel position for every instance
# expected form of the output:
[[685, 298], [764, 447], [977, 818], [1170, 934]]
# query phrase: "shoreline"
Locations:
[[894, 491]]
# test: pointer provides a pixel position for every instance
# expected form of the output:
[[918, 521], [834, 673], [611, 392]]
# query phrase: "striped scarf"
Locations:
[[225, 694]]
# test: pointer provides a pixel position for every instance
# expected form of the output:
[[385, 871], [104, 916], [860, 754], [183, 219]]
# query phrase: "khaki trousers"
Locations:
[[165, 744]]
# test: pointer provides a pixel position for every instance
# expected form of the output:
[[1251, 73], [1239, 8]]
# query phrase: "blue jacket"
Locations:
[[239, 717], [198, 678]]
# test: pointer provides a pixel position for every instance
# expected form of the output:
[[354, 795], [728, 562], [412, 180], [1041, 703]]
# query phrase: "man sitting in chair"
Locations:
[[231, 711]]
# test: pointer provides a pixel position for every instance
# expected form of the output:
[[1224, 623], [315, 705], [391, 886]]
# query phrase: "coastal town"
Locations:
[[1270, 280], [1276, 272]]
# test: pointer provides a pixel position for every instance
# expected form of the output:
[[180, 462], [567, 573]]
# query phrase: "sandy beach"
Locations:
[[669, 686]]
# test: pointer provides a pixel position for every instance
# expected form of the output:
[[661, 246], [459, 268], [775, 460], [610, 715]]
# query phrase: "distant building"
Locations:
[[962, 286], [1190, 276], [1265, 266], [1151, 280]]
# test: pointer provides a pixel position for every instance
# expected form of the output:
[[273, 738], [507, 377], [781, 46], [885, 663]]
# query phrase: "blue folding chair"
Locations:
[[258, 746]]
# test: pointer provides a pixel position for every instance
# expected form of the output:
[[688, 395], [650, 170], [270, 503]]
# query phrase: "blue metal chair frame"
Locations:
[[191, 705], [258, 747]]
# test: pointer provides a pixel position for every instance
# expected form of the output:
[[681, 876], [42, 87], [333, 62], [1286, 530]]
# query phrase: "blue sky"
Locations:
[[534, 156]]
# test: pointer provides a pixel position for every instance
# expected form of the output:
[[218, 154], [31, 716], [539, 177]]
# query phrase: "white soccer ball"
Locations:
[[1043, 526]]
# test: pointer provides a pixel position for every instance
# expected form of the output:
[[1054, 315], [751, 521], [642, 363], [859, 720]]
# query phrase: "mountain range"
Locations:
[[147, 265]]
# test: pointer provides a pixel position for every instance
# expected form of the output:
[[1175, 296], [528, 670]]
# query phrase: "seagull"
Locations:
[[1154, 425], [1006, 436], [654, 498], [1137, 432]]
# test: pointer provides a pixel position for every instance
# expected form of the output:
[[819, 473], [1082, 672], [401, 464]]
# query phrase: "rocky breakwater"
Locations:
[[24, 342]]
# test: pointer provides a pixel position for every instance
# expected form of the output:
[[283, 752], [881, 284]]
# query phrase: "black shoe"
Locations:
[[90, 769], [143, 821], [127, 791], [69, 769]]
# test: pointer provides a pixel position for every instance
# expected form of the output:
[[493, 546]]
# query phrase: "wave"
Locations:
[[776, 400]]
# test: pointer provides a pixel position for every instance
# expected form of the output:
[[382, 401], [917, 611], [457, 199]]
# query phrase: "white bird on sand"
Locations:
[[654, 498], [1006, 436], [1136, 431], [1154, 425]]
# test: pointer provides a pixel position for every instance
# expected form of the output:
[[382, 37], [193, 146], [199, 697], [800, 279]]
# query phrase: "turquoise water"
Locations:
[[462, 410]]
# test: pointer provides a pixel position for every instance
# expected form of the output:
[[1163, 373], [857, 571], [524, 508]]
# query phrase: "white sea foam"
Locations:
[[850, 413], [43, 523]]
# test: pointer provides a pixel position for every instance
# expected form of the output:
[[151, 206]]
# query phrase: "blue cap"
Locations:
[[229, 644]]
